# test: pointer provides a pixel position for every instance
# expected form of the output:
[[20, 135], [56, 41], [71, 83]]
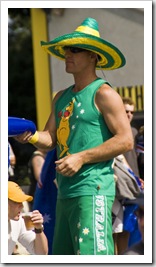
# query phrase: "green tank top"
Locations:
[[81, 126]]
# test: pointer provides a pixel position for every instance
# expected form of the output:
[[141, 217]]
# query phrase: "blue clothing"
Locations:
[[45, 197]]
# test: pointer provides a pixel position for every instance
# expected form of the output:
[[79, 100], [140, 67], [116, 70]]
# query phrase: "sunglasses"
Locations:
[[73, 50], [139, 213], [127, 111]]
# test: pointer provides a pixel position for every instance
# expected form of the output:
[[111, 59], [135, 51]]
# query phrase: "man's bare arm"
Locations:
[[46, 139], [111, 107]]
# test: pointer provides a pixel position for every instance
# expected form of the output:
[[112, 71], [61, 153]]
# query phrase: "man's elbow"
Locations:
[[129, 143], [41, 252]]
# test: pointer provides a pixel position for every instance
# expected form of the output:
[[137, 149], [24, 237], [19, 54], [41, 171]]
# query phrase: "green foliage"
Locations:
[[21, 84], [22, 176]]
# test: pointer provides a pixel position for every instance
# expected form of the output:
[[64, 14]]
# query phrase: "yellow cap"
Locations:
[[16, 194]]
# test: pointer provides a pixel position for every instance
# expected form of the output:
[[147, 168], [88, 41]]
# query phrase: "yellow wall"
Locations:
[[136, 93], [41, 67]]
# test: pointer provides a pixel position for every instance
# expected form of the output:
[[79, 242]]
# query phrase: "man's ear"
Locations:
[[93, 55]]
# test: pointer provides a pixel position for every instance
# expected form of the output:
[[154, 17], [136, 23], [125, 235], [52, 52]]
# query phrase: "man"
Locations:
[[34, 241], [89, 127], [138, 248], [131, 155], [12, 161], [35, 165]]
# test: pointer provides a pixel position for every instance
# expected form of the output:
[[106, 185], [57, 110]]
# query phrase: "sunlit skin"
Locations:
[[14, 212], [77, 63], [82, 66], [129, 109]]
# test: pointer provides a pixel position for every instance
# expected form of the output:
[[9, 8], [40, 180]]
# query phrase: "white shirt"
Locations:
[[17, 232]]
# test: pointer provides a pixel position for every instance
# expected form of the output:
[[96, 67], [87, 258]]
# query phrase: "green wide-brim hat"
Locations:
[[87, 36]]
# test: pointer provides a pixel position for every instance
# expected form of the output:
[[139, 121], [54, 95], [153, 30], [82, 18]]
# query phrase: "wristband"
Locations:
[[39, 231], [34, 138]]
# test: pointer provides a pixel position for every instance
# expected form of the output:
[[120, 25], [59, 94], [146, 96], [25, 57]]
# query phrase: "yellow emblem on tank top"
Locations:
[[63, 130]]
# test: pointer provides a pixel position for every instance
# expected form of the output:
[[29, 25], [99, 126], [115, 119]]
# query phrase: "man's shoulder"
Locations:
[[15, 228], [61, 93], [18, 223]]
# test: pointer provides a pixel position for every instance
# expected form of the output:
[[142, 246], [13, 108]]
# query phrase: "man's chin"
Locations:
[[68, 70], [16, 218]]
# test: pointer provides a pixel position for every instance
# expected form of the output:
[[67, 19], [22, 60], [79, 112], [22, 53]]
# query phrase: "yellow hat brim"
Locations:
[[110, 56]]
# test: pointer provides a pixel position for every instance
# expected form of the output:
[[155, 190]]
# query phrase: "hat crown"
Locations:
[[16, 194], [89, 26]]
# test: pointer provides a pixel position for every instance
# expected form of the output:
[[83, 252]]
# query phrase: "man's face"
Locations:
[[14, 210], [129, 111], [77, 62]]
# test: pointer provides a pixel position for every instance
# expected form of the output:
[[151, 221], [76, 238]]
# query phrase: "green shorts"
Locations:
[[84, 226]]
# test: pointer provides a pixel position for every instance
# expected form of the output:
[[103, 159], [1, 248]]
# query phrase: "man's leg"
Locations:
[[62, 243], [90, 223]]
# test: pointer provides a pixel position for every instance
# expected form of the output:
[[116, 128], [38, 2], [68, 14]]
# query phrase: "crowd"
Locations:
[[89, 132]]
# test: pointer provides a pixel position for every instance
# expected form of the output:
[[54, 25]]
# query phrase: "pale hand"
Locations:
[[37, 219]]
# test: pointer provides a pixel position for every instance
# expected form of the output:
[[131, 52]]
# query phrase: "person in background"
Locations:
[[34, 241], [138, 248], [88, 131], [12, 161], [131, 156], [35, 165], [125, 226], [119, 235], [140, 150]]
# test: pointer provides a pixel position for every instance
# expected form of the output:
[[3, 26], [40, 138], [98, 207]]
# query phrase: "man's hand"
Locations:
[[37, 219], [23, 138], [69, 165]]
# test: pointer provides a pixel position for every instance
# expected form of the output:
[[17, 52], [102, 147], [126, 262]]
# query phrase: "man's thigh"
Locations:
[[84, 226], [91, 226]]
